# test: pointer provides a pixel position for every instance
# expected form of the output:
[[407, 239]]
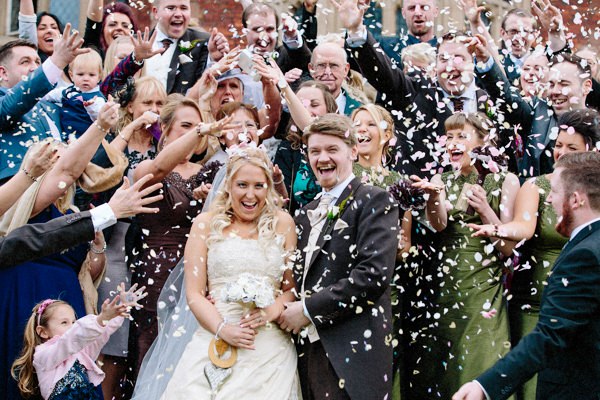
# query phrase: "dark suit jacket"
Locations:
[[564, 347], [38, 240], [183, 76], [22, 119], [293, 58], [417, 107], [348, 285], [535, 119]]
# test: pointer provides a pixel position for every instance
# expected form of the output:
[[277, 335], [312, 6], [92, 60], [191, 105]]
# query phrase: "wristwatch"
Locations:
[[136, 62], [282, 84]]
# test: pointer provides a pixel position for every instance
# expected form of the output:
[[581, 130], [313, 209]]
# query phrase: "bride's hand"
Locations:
[[262, 316], [237, 336]]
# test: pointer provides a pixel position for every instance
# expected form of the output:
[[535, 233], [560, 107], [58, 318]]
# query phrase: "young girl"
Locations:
[[59, 352]]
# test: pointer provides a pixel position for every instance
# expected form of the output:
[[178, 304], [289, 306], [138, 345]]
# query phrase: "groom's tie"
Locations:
[[317, 220], [318, 214]]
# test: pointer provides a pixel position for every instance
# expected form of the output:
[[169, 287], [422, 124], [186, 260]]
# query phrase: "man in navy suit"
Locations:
[[24, 80], [564, 347]]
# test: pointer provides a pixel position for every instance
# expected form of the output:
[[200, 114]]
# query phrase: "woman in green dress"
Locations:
[[579, 131], [467, 331]]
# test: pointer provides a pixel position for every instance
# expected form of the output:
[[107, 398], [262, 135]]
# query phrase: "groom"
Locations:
[[564, 347], [347, 240]]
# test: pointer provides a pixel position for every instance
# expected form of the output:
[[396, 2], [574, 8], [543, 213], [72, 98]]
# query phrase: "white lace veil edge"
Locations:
[[177, 325]]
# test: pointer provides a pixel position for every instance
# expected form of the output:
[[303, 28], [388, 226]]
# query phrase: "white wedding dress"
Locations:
[[269, 371]]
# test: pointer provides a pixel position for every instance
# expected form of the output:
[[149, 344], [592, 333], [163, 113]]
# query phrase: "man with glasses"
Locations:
[[329, 65], [519, 31]]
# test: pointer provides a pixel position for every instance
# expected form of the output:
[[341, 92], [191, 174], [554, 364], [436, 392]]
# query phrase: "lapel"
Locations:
[[328, 226], [585, 232], [174, 67]]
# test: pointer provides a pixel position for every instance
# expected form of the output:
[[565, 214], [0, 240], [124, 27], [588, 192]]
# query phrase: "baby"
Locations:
[[81, 101]]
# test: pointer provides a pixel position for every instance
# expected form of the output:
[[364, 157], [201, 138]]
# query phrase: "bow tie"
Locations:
[[318, 214]]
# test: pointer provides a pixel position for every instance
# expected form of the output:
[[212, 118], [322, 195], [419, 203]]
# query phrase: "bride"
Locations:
[[238, 253]]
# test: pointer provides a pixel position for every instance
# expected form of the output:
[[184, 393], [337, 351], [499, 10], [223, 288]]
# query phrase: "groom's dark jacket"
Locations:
[[348, 285], [565, 344]]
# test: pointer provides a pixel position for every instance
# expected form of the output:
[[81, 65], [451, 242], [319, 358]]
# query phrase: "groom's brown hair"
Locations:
[[333, 125]]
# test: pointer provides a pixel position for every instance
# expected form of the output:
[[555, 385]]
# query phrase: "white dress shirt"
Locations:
[[159, 65]]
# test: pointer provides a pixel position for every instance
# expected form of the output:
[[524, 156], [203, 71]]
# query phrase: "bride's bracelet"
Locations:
[[220, 327]]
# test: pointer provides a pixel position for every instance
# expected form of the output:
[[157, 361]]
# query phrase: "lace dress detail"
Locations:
[[75, 385], [269, 371]]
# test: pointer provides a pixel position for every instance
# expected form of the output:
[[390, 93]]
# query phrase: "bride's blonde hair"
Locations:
[[222, 204]]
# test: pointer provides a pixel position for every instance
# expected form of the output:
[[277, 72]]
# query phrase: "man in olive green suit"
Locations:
[[564, 347]]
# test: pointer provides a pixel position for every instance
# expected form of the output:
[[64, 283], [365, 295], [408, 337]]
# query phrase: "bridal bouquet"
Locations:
[[249, 288]]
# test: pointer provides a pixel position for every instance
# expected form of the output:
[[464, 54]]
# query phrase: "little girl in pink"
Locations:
[[59, 353]]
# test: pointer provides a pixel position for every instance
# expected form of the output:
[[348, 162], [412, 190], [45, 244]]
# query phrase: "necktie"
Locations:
[[318, 214], [166, 43], [458, 102]]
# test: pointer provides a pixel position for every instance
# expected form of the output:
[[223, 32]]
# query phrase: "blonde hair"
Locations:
[[222, 204], [175, 101], [111, 53], [22, 369], [90, 58], [144, 87], [380, 115]]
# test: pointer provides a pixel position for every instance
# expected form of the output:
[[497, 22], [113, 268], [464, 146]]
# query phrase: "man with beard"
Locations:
[[563, 347], [186, 51]]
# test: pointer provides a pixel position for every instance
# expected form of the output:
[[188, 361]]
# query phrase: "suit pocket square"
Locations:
[[184, 59], [339, 225]]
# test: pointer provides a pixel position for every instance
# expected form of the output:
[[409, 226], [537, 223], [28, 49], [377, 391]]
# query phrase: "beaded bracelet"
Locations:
[[96, 251], [28, 174], [101, 129]]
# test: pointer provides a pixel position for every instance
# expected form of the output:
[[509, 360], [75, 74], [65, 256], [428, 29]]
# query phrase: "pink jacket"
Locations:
[[53, 359]]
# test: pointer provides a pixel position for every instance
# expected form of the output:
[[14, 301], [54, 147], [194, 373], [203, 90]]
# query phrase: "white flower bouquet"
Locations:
[[249, 288]]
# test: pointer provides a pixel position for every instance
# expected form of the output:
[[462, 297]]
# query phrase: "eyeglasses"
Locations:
[[515, 32], [322, 67]]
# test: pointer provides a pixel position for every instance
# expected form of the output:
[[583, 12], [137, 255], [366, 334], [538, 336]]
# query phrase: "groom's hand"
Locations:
[[292, 319]]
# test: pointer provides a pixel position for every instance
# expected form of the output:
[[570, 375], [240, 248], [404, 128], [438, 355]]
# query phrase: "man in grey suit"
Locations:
[[564, 347], [348, 238], [37, 240], [24, 80]]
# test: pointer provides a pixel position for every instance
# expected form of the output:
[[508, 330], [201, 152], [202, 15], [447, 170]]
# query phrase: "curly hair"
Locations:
[[222, 205]]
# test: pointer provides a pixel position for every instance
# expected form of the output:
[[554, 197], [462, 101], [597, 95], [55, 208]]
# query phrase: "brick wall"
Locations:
[[582, 17]]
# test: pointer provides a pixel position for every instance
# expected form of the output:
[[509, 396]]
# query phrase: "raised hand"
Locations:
[[207, 87], [130, 200], [430, 188], [293, 75], [478, 45], [472, 11], [41, 159], [67, 47], [218, 45], [131, 297], [108, 115], [215, 128], [111, 309], [201, 192], [142, 45], [290, 26], [350, 13], [269, 72], [548, 15], [228, 62]]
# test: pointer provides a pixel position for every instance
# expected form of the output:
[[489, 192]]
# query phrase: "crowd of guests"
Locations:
[[396, 207]]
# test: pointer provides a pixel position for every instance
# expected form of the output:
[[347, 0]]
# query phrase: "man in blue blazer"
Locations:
[[23, 81], [564, 347]]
